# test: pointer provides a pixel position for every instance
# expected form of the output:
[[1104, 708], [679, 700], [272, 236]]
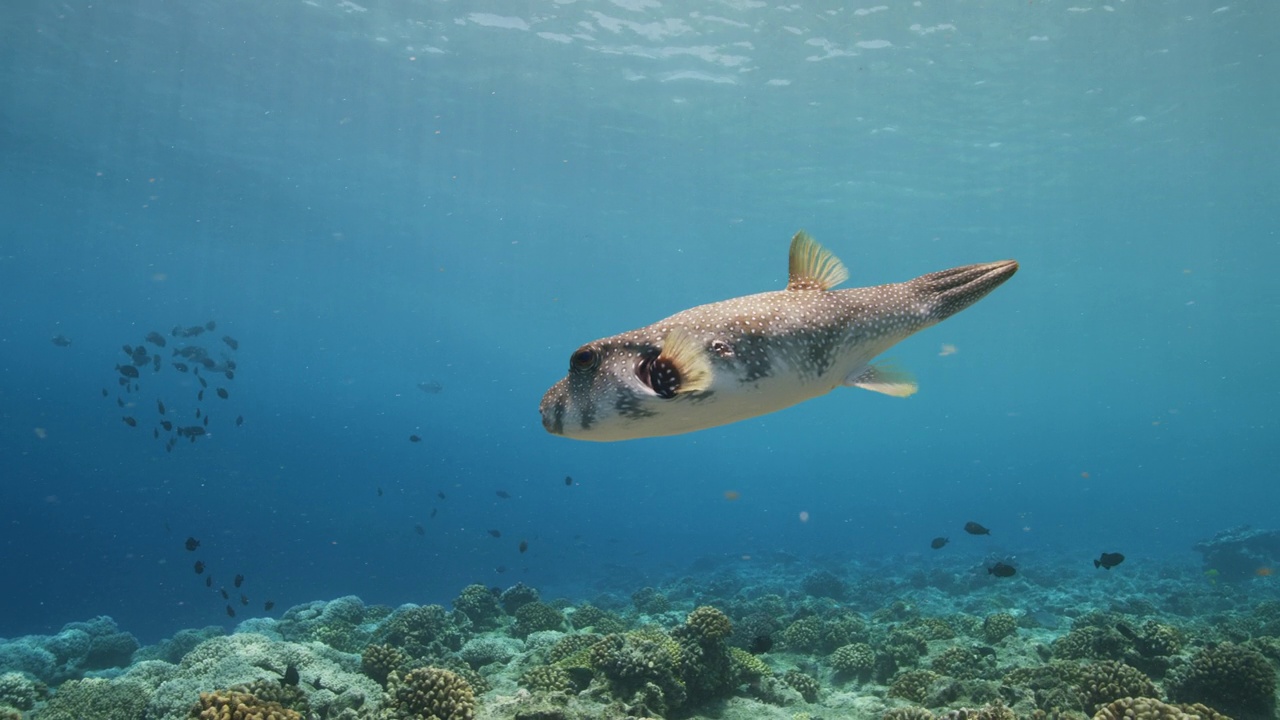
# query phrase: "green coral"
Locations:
[[1231, 677], [429, 693], [855, 659], [931, 628], [643, 666], [999, 626], [602, 621], [1101, 683], [1151, 709], [546, 678], [19, 692], [746, 667], [803, 635], [913, 685], [571, 645], [535, 617], [804, 684], [958, 662], [1091, 642], [422, 631], [708, 623], [96, 699], [480, 606]]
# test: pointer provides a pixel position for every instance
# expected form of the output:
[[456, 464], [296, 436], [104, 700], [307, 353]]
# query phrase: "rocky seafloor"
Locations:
[[771, 638]]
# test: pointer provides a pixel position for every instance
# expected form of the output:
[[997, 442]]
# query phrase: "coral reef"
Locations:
[[336, 623], [480, 605], [1150, 709], [1101, 683], [649, 601], [802, 683], [20, 692], [95, 699], [591, 617], [536, 617], [421, 631], [999, 626], [517, 595], [1236, 553], [378, 661], [853, 660]]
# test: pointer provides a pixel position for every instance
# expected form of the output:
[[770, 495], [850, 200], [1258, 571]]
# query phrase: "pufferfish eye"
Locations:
[[584, 359]]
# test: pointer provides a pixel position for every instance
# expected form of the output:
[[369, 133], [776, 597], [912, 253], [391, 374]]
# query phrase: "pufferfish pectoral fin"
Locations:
[[884, 379], [681, 366]]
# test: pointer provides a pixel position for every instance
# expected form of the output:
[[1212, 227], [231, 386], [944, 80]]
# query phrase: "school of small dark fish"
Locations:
[[191, 545], [1005, 570], [196, 360]]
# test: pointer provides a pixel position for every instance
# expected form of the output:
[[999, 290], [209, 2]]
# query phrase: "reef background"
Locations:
[[370, 198]]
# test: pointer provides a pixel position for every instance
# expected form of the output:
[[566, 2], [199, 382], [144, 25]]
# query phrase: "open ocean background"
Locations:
[[373, 196]]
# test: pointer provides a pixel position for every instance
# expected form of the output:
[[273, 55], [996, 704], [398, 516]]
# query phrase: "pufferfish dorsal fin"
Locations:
[[681, 367], [813, 267]]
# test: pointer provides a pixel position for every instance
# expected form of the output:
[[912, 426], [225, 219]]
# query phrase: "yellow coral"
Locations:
[[229, 705]]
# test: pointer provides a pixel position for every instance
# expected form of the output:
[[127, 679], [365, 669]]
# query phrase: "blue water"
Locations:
[[373, 196]]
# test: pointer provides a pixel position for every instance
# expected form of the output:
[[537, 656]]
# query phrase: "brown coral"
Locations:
[[1150, 709], [708, 623], [230, 705], [377, 661], [430, 692]]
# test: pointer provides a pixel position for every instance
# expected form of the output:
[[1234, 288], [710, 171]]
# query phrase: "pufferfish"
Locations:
[[736, 359]]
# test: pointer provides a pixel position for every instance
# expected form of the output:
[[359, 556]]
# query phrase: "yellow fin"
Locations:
[[813, 267], [885, 379], [684, 353]]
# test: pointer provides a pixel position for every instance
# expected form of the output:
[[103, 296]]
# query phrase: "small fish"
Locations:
[[208, 581], [502, 494], [568, 481], [156, 339], [231, 342], [197, 413], [199, 567], [124, 382], [440, 494], [1127, 631], [155, 433], [128, 371], [230, 375], [379, 492], [431, 388], [741, 358], [290, 676], [434, 511], [495, 533], [500, 569], [760, 644], [222, 393], [60, 340], [239, 580], [244, 599], [206, 421], [105, 393], [155, 363], [225, 595], [210, 326], [168, 426], [128, 350], [419, 529], [119, 402], [208, 363], [203, 384], [239, 420], [939, 543], [414, 438], [268, 605], [974, 528], [160, 406], [193, 331], [1108, 560], [129, 421], [1002, 570], [181, 367], [231, 612], [524, 545]]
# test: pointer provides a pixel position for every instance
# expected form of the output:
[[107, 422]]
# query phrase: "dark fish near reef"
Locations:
[[974, 528], [156, 339], [500, 569], [222, 393], [210, 326], [230, 375], [434, 511], [128, 349], [440, 494], [166, 425], [1108, 560], [524, 545], [239, 580], [231, 612], [160, 406], [495, 533], [568, 480], [431, 388], [503, 494], [225, 595], [291, 677], [181, 367], [419, 529], [203, 385], [268, 605], [760, 644], [208, 581], [128, 371], [749, 356], [129, 421], [414, 438], [379, 492], [60, 340], [192, 544], [199, 567], [155, 433], [231, 342], [244, 600], [939, 543], [1002, 570], [239, 420]]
